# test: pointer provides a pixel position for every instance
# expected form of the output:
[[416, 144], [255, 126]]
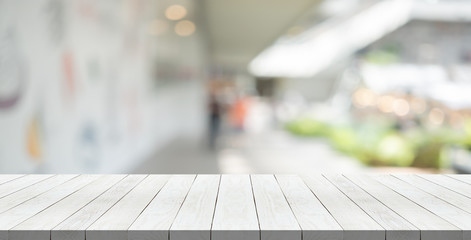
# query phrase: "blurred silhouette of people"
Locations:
[[238, 112], [214, 120]]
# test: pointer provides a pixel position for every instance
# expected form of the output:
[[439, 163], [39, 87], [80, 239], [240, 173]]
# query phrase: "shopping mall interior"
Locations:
[[235, 86]]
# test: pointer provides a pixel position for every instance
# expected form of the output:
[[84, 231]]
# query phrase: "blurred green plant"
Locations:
[[307, 127], [382, 57], [378, 143]]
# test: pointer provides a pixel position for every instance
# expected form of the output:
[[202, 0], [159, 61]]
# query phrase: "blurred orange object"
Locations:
[[239, 112], [33, 140]]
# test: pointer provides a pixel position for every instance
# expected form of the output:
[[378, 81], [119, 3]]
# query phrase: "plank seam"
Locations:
[[148, 204], [256, 210], [184, 199], [214, 211], [113, 205], [454, 179], [384, 228], [435, 196], [122, 179], [450, 176], [17, 190], [21, 176], [35, 196], [286, 199], [418, 203], [343, 229], [382, 202], [52, 203]]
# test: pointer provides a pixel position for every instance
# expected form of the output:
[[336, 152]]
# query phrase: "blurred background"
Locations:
[[235, 86]]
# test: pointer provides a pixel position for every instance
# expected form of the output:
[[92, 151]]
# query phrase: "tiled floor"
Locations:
[[269, 152]]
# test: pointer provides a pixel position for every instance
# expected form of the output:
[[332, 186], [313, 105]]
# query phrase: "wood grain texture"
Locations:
[[155, 221], [397, 228], [20, 183], [20, 213], [114, 224], [73, 228], [356, 223], [55, 214], [445, 210], [450, 213], [461, 177], [235, 217], [9, 177], [195, 217], [32, 191], [438, 191], [234, 207], [450, 183], [431, 226], [315, 221], [275, 217]]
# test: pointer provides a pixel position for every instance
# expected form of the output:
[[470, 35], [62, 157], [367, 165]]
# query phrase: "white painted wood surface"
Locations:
[[235, 207], [195, 217], [73, 228], [32, 191], [452, 214], [155, 221], [235, 217], [438, 191], [22, 212], [20, 183], [315, 221], [432, 227], [449, 182], [114, 224], [8, 177], [356, 223], [461, 177], [275, 217], [39, 225], [397, 228]]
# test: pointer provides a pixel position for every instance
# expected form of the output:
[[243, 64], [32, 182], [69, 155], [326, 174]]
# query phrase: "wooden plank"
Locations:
[[18, 214], [9, 177], [450, 183], [73, 228], [315, 221], [397, 228], [431, 226], [438, 191], [235, 217], [32, 191], [275, 217], [195, 217], [155, 221], [450, 213], [20, 183], [461, 177], [39, 226], [356, 223], [114, 223]]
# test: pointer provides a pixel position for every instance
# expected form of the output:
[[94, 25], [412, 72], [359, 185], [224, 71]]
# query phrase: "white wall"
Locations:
[[88, 96]]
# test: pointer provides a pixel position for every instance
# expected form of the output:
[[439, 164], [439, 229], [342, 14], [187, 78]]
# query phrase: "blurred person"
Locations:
[[214, 120], [238, 112]]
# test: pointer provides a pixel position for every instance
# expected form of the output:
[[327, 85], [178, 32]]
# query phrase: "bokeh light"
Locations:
[[175, 12], [185, 28]]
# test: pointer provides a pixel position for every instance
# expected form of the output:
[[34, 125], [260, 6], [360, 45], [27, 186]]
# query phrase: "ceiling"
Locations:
[[240, 29]]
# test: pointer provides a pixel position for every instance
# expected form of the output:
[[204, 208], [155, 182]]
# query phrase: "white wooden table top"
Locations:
[[235, 207]]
